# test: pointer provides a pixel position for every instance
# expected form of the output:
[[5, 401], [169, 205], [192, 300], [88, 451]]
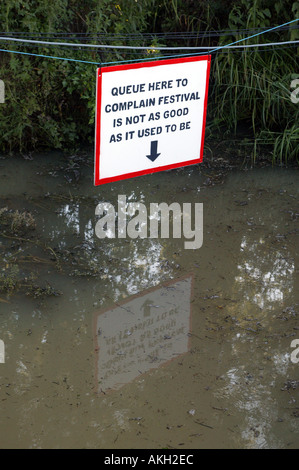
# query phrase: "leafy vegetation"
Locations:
[[50, 103]]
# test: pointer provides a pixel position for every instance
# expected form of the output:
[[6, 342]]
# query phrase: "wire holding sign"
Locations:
[[154, 120]]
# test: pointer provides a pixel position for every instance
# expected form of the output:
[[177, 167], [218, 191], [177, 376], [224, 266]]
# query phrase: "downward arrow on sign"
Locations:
[[154, 148]]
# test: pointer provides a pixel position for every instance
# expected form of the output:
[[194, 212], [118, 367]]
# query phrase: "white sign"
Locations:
[[142, 334], [150, 117]]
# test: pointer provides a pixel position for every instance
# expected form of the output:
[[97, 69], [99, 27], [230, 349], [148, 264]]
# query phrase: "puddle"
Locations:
[[149, 344]]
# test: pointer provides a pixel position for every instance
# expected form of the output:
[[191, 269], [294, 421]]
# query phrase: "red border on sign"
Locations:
[[97, 177]]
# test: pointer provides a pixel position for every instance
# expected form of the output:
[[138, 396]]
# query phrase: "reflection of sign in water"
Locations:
[[142, 333]]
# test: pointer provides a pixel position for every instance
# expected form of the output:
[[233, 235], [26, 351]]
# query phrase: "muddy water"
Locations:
[[151, 345]]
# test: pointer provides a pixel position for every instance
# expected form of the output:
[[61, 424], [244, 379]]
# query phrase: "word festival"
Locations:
[[132, 219]]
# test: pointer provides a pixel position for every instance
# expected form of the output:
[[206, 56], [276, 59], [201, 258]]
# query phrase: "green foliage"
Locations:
[[51, 103], [253, 87]]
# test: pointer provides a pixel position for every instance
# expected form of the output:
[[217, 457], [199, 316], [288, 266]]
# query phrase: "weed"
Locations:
[[248, 87]]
